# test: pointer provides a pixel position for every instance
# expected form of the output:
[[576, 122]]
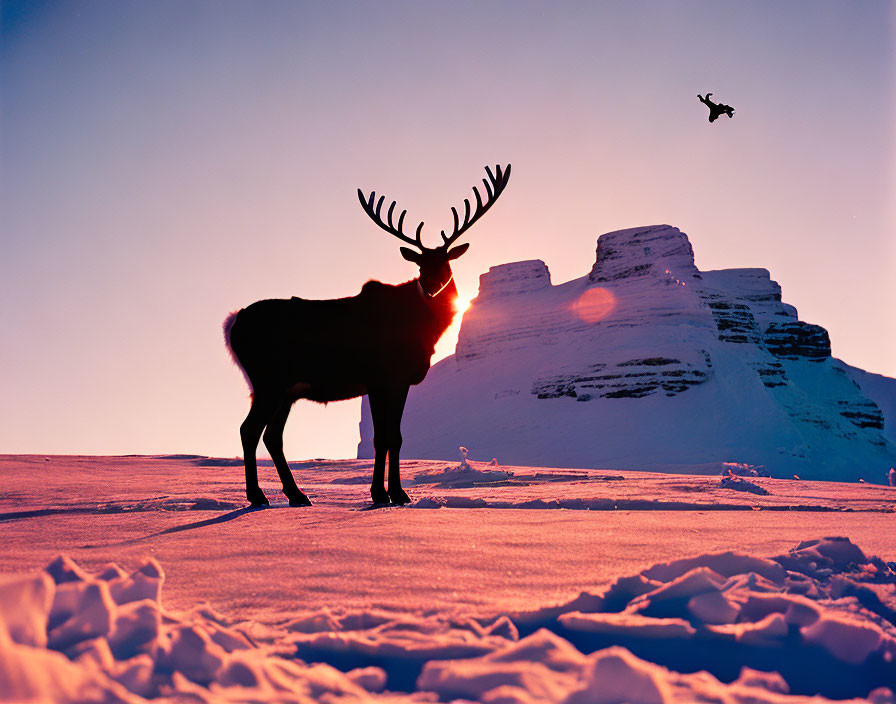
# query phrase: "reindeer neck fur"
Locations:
[[441, 304], [434, 312]]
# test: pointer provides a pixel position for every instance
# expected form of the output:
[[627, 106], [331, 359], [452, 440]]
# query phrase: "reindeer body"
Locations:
[[332, 350], [378, 343]]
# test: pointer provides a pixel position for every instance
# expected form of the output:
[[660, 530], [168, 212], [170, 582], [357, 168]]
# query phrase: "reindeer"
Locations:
[[378, 343]]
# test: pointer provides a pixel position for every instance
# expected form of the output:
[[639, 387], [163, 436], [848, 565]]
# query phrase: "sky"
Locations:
[[166, 163]]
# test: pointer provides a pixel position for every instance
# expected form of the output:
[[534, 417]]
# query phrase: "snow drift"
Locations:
[[648, 363], [819, 620]]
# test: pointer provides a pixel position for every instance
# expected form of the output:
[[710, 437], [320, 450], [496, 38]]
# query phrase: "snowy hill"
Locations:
[[647, 362]]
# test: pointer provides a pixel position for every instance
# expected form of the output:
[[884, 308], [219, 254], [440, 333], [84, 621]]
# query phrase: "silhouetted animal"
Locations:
[[378, 343], [716, 110]]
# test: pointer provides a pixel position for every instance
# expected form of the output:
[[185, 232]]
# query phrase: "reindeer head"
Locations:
[[435, 271]]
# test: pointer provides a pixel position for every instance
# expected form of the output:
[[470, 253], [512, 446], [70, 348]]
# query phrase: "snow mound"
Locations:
[[464, 475], [740, 484], [815, 624], [69, 636]]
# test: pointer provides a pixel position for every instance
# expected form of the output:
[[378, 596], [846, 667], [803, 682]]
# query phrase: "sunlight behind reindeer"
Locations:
[[461, 303], [446, 344]]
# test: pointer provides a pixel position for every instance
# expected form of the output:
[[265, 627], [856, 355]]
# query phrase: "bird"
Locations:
[[716, 110]]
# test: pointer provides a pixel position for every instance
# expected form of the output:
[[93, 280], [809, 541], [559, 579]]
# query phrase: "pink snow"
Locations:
[[340, 604]]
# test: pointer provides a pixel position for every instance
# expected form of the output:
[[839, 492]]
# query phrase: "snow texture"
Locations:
[[648, 363], [815, 624]]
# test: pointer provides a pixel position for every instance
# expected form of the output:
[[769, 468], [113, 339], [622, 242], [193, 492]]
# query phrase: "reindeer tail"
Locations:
[[228, 331]]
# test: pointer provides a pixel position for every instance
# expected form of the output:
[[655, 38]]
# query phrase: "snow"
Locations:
[[125, 651], [647, 363], [337, 603]]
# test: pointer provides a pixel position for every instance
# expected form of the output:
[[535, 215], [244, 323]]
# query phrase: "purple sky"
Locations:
[[165, 163]]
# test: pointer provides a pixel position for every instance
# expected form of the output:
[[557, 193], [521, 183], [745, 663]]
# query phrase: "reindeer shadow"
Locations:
[[194, 525]]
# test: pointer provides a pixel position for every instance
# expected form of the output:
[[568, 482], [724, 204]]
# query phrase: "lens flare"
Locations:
[[594, 305]]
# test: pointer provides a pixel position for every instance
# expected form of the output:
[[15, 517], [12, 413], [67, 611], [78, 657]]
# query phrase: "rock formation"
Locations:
[[648, 363]]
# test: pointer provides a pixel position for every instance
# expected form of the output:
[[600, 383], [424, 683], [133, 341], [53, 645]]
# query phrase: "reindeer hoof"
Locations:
[[257, 498], [379, 496], [298, 499], [399, 497]]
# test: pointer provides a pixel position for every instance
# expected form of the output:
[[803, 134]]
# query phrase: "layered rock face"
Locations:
[[647, 362]]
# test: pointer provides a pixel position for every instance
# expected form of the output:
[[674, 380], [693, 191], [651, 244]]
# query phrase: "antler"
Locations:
[[494, 189], [494, 186], [374, 214]]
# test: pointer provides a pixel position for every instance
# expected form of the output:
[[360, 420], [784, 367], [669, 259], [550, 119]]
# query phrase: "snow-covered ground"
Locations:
[[637, 587]]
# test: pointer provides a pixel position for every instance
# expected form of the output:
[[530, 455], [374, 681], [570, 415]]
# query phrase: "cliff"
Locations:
[[647, 362]]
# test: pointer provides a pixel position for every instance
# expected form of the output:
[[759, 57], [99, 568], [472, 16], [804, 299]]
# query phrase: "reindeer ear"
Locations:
[[457, 251], [410, 255]]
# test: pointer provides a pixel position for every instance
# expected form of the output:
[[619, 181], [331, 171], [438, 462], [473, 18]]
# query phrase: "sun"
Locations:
[[462, 302]]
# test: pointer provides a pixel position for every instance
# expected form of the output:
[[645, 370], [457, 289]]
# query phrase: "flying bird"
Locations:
[[716, 110]]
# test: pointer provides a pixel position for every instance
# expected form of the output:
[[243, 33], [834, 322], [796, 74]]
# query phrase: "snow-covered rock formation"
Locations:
[[648, 363]]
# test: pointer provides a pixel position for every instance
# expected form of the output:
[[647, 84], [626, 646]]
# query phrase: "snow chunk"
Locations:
[[137, 624], [462, 475], [25, 607], [726, 564], [314, 623], [38, 675], [846, 638], [136, 675], [475, 678], [373, 679], [615, 676], [739, 484], [112, 572], [144, 583], [95, 651], [624, 589], [428, 502], [764, 632], [94, 616], [882, 695], [796, 609], [63, 569], [713, 608], [810, 556], [194, 654], [543, 646], [503, 627], [771, 681], [697, 581], [629, 625]]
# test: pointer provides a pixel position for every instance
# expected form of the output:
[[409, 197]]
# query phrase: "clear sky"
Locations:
[[167, 162]]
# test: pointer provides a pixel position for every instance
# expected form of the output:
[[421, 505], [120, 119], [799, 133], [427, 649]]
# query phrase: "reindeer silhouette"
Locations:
[[716, 110], [378, 343]]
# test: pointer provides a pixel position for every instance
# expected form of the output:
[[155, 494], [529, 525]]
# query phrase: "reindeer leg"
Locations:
[[250, 434], [273, 440], [378, 407], [397, 399]]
